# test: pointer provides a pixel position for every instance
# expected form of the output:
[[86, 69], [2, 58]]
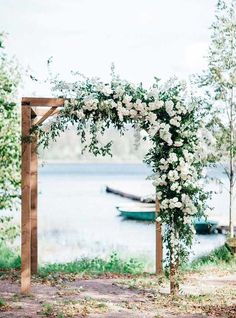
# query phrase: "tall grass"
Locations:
[[96, 266], [220, 257], [9, 258]]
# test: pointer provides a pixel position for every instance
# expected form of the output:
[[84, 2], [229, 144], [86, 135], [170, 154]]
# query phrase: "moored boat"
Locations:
[[147, 212]]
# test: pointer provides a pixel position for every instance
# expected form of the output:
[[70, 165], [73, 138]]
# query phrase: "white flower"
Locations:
[[154, 92], [174, 186], [139, 106], [127, 99], [164, 205], [155, 105], [175, 121], [172, 158], [153, 130], [106, 90], [90, 103], [173, 175], [188, 156], [169, 106], [188, 206], [119, 90], [113, 104], [184, 169], [163, 164], [158, 219], [159, 195], [80, 114], [178, 143], [174, 203], [165, 134], [152, 118], [133, 113], [160, 181]]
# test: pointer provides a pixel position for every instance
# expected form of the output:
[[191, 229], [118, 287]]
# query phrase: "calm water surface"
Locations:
[[77, 218]]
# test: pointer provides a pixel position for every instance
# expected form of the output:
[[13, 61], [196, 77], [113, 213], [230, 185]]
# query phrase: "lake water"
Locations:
[[77, 218]]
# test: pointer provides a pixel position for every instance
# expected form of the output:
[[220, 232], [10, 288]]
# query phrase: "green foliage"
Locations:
[[9, 143], [96, 266], [9, 258], [9, 132], [219, 257]]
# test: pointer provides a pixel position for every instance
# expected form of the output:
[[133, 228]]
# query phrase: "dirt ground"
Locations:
[[64, 296]]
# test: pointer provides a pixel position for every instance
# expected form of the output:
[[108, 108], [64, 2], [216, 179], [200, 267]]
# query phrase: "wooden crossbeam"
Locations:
[[49, 113], [43, 102], [40, 111]]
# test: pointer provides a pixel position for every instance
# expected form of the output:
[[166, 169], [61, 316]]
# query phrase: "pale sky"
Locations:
[[144, 38]]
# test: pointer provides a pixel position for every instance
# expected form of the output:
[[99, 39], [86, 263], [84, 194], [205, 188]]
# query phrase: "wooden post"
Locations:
[[159, 252], [25, 203], [34, 203]]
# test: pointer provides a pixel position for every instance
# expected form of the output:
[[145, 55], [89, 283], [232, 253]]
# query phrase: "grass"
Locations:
[[9, 258], [114, 264], [72, 308], [221, 258]]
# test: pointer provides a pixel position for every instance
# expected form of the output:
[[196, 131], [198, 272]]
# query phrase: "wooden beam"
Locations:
[[159, 248], [43, 102], [25, 203], [49, 113], [40, 111], [34, 205]]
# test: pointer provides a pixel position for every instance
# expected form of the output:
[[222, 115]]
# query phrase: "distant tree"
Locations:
[[9, 140], [219, 82]]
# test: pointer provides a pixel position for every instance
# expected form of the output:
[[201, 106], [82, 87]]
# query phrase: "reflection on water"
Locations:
[[78, 218]]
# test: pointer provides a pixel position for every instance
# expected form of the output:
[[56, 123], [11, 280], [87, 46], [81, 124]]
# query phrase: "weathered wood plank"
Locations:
[[25, 204], [43, 102], [34, 206], [159, 248]]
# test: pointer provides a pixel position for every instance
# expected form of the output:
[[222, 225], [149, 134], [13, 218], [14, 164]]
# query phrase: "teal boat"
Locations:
[[146, 212], [141, 212]]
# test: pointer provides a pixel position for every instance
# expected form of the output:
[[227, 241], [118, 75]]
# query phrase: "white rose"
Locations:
[[173, 175]]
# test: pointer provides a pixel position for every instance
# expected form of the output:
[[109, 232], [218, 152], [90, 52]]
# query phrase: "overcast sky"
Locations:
[[144, 38]]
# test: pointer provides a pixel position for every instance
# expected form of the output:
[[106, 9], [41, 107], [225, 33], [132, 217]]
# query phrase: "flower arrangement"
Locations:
[[172, 123]]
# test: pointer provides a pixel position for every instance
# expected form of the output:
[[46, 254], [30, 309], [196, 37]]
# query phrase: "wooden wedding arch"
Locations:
[[35, 111]]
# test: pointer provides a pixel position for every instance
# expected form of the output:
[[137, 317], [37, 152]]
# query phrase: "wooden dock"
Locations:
[[130, 196]]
